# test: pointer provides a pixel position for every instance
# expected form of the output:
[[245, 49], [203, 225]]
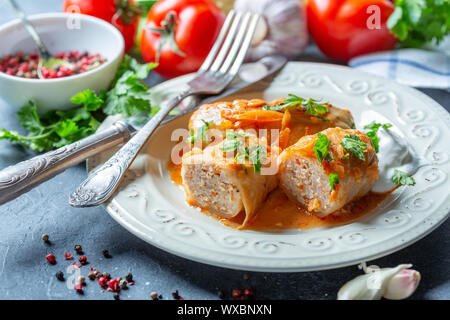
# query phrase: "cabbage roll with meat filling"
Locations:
[[327, 170], [294, 117], [225, 178]]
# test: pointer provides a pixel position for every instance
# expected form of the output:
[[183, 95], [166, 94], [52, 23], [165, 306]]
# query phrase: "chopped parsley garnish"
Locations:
[[333, 178], [372, 134], [200, 135], [321, 148], [253, 153], [402, 178], [310, 106], [354, 145], [322, 153], [231, 134]]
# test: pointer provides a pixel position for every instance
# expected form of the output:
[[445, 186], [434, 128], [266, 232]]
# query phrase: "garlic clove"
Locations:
[[402, 285], [370, 286], [357, 289], [262, 29]]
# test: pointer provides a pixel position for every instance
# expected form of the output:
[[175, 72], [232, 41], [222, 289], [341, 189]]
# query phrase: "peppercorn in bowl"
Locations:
[[92, 48]]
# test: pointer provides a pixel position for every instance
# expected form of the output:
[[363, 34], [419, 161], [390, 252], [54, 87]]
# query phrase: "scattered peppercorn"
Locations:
[[129, 277], [60, 276], [106, 275], [102, 281], [68, 256], [106, 254], [249, 295], [78, 287], [236, 294], [83, 260], [175, 295], [45, 237], [51, 258], [91, 275], [81, 279], [116, 296], [78, 249], [154, 295], [113, 285], [97, 273], [123, 284]]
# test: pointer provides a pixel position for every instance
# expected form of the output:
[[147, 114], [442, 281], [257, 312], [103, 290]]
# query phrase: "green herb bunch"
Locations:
[[418, 22]]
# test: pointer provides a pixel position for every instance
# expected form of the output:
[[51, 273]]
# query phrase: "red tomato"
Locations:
[[343, 29], [121, 14], [193, 25]]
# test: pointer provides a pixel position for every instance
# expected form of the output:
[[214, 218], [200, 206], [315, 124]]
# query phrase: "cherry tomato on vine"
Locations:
[[179, 34], [123, 14], [343, 29]]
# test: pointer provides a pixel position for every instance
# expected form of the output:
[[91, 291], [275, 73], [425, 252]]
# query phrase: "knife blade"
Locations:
[[24, 176]]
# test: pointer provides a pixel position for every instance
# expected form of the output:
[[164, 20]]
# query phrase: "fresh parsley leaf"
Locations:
[[375, 126], [372, 134], [231, 134], [353, 144], [418, 22], [255, 155], [316, 109], [29, 119], [89, 99], [402, 178], [310, 106], [321, 148], [333, 178], [375, 140], [231, 145], [128, 97]]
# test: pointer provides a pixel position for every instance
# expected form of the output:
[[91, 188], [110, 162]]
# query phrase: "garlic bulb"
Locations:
[[281, 30], [391, 283]]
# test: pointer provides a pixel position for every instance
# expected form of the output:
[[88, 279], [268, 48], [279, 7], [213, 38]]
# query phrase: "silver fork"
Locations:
[[217, 71]]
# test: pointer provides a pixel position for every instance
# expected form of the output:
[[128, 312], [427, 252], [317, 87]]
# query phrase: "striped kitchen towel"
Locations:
[[413, 67]]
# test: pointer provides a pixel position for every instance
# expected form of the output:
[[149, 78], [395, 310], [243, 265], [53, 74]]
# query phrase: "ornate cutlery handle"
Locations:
[[102, 183], [20, 178]]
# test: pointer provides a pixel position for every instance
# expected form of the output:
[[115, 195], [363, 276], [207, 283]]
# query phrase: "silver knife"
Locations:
[[24, 176]]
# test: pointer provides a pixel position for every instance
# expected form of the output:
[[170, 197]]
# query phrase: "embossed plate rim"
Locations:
[[213, 256]]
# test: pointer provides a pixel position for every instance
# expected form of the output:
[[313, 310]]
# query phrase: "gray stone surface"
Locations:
[[25, 274]]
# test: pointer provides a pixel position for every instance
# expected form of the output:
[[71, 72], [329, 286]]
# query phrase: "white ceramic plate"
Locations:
[[150, 206]]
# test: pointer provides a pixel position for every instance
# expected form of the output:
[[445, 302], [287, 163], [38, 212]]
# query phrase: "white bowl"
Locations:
[[93, 35]]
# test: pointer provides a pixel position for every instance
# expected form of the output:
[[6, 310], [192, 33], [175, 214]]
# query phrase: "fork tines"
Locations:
[[230, 48]]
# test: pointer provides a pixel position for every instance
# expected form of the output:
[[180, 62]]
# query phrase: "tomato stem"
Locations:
[[167, 35]]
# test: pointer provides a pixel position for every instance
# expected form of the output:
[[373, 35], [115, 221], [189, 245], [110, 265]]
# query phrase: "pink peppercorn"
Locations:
[[51, 258], [113, 285], [83, 260], [78, 286], [68, 256], [102, 281], [236, 293]]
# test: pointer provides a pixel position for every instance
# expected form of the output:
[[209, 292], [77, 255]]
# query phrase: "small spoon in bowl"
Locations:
[[46, 59]]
